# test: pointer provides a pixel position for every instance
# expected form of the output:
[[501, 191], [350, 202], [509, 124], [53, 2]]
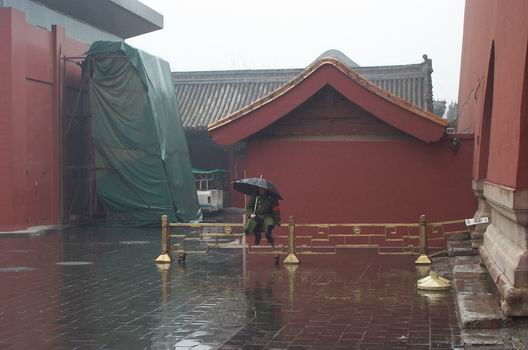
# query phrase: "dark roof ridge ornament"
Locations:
[[428, 70]]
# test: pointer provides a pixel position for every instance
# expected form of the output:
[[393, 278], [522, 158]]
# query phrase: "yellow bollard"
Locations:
[[291, 258], [433, 282], [165, 257], [423, 259]]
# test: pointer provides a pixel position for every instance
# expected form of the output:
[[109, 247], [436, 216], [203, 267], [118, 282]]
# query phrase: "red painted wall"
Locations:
[[502, 25], [336, 163], [29, 120], [367, 181]]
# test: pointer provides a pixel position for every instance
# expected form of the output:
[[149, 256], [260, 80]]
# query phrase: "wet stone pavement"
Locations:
[[96, 288]]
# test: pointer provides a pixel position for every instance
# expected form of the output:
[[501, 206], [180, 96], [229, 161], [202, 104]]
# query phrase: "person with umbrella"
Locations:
[[263, 210], [263, 215]]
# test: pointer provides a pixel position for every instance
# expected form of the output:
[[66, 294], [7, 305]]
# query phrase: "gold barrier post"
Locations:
[[291, 258], [423, 259], [165, 257]]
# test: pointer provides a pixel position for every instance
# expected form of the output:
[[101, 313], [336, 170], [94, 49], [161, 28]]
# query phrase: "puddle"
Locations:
[[16, 269], [134, 242], [73, 263]]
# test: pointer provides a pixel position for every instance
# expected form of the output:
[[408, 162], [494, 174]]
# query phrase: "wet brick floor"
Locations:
[[99, 289]]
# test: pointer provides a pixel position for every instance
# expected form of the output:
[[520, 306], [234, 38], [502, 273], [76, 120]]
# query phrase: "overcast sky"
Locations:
[[245, 34]]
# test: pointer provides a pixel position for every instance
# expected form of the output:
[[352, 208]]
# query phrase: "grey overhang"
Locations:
[[123, 18]]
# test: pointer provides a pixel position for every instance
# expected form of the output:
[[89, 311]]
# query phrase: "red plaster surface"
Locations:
[[366, 181], [29, 120], [504, 24]]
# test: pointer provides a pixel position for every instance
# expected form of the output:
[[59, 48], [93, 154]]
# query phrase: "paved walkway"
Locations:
[[99, 289]]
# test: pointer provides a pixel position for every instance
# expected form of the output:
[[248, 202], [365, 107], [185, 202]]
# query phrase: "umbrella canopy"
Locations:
[[251, 185]]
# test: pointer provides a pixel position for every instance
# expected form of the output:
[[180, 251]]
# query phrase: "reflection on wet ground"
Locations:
[[97, 288]]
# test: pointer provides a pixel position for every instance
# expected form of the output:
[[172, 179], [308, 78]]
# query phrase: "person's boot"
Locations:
[[269, 237], [271, 242]]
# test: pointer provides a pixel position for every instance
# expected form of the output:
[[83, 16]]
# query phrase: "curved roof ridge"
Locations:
[[346, 69]]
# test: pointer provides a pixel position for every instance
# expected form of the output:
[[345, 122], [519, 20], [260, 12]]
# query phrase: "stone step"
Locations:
[[464, 243], [477, 298], [480, 311], [460, 248], [460, 236], [489, 339]]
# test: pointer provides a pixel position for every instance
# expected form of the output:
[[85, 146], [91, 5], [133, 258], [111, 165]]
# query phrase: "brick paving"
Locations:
[[99, 289]]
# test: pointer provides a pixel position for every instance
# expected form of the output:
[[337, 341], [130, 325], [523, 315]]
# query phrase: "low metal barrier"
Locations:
[[386, 238]]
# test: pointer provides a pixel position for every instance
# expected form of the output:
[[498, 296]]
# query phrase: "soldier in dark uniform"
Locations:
[[263, 215]]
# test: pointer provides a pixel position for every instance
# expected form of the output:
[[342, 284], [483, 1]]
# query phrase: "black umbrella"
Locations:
[[251, 185]]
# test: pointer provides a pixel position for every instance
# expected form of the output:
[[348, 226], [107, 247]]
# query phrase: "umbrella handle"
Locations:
[[255, 207]]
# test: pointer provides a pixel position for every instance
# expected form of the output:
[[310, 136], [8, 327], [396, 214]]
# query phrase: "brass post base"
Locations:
[[291, 259], [163, 259], [433, 282], [423, 260]]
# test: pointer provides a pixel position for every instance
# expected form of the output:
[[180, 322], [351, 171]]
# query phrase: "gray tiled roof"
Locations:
[[206, 97]]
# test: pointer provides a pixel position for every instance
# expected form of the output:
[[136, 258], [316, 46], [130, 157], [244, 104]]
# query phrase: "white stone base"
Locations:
[[505, 249], [514, 301]]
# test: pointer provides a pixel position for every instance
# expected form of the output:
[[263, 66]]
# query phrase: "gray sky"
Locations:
[[245, 34]]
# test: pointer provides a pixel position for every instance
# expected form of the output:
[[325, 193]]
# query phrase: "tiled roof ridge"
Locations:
[[237, 74], [349, 71], [221, 77]]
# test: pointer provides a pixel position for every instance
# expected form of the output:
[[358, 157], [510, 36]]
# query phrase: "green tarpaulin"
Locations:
[[142, 162]]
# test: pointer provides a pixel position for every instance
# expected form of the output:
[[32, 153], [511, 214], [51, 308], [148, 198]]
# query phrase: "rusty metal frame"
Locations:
[[64, 132]]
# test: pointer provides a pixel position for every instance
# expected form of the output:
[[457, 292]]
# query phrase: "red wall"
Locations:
[[29, 120], [367, 181], [502, 25], [336, 163]]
